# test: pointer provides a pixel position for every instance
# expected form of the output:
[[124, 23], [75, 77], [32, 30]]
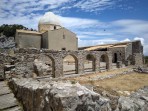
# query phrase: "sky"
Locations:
[[94, 21]]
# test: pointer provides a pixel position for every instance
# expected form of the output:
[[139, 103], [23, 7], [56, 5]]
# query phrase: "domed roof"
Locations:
[[50, 18]]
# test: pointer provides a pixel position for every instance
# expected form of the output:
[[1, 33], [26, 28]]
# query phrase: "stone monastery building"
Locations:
[[51, 35]]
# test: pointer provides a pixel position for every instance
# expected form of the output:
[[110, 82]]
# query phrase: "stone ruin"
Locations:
[[49, 62], [55, 95]]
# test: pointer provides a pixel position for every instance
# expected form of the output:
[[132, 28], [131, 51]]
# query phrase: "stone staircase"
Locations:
[[7, 100]]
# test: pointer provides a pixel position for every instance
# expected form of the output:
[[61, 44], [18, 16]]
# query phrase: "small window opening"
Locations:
[[63, 48], [54, 27]]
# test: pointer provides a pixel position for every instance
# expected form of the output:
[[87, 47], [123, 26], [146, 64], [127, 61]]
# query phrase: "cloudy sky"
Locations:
[[94, 21]]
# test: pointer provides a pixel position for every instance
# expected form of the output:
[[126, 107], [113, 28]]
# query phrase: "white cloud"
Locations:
[[94, 5], [141, 39], [73, 22], [51, 18], [96, 42], [125, 40], [131, 26]]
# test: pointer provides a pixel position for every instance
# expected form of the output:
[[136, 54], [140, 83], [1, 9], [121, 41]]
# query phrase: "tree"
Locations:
[[10, 30]]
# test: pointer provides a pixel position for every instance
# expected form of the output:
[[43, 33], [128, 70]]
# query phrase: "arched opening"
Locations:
[[70, 65], [115, 58], [89, 63], [44, 66], [104, 62], [55, 28]]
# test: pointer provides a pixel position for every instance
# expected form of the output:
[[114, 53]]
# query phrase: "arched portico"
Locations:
[[70, 64], [104, 62]]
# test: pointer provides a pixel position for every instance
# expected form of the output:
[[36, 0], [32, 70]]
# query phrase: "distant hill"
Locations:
[[9, 30]]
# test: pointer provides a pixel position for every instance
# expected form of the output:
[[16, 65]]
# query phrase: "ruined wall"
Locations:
[[137, 53], [120, 51], [5, 59], [128, 51], [26, 57], [138, 59], [137, 47]]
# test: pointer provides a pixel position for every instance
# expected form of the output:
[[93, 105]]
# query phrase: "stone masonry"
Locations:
[[26, 57]]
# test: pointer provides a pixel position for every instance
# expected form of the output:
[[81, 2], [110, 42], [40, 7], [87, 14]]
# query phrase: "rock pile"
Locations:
[[41, 68], [141, 70]]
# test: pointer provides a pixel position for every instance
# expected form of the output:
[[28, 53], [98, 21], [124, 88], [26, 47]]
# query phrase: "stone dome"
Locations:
[[50, 18]]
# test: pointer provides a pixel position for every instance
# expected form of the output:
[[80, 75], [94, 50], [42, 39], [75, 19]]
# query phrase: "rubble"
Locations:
[[141, 70]]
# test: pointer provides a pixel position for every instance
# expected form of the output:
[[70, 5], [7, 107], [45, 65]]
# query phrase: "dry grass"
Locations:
[[86, 78], [131, 82], [122, 83]]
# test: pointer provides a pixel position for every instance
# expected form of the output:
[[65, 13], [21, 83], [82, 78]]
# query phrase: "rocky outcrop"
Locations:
[[7, 42], [68, 96], [57, 96], [137, 101]]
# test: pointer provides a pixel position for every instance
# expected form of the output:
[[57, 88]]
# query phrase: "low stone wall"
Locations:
[[68, 96]]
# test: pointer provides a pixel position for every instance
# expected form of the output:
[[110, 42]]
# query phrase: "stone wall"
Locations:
[[120, 51], [26, 57], [137, 53], [138, 59], [62, 39], [5, 59], [137, 47], [27, 40], [128, 55]]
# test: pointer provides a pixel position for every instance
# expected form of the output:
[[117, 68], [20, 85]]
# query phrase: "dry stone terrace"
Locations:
[[26, 57]]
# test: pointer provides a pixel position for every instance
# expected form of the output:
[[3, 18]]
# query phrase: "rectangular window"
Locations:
[[63, 48]]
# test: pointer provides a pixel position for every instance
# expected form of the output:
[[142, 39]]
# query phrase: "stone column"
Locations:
[[97, 62], [109, 63], [119, 64], [58, 68], [80, 63]]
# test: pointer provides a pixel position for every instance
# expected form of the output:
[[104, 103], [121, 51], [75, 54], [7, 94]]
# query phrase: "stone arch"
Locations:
[[70, 64], [104, 62], [89, 63], [46, 64]]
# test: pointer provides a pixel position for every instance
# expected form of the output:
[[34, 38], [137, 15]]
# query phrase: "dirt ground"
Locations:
[[123, 84]]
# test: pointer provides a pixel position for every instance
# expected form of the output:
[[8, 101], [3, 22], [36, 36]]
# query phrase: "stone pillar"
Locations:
[[127, 63], [80, 63], [76, 66], [109, 62], [119, 64], [58, 68], [97, 62]]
